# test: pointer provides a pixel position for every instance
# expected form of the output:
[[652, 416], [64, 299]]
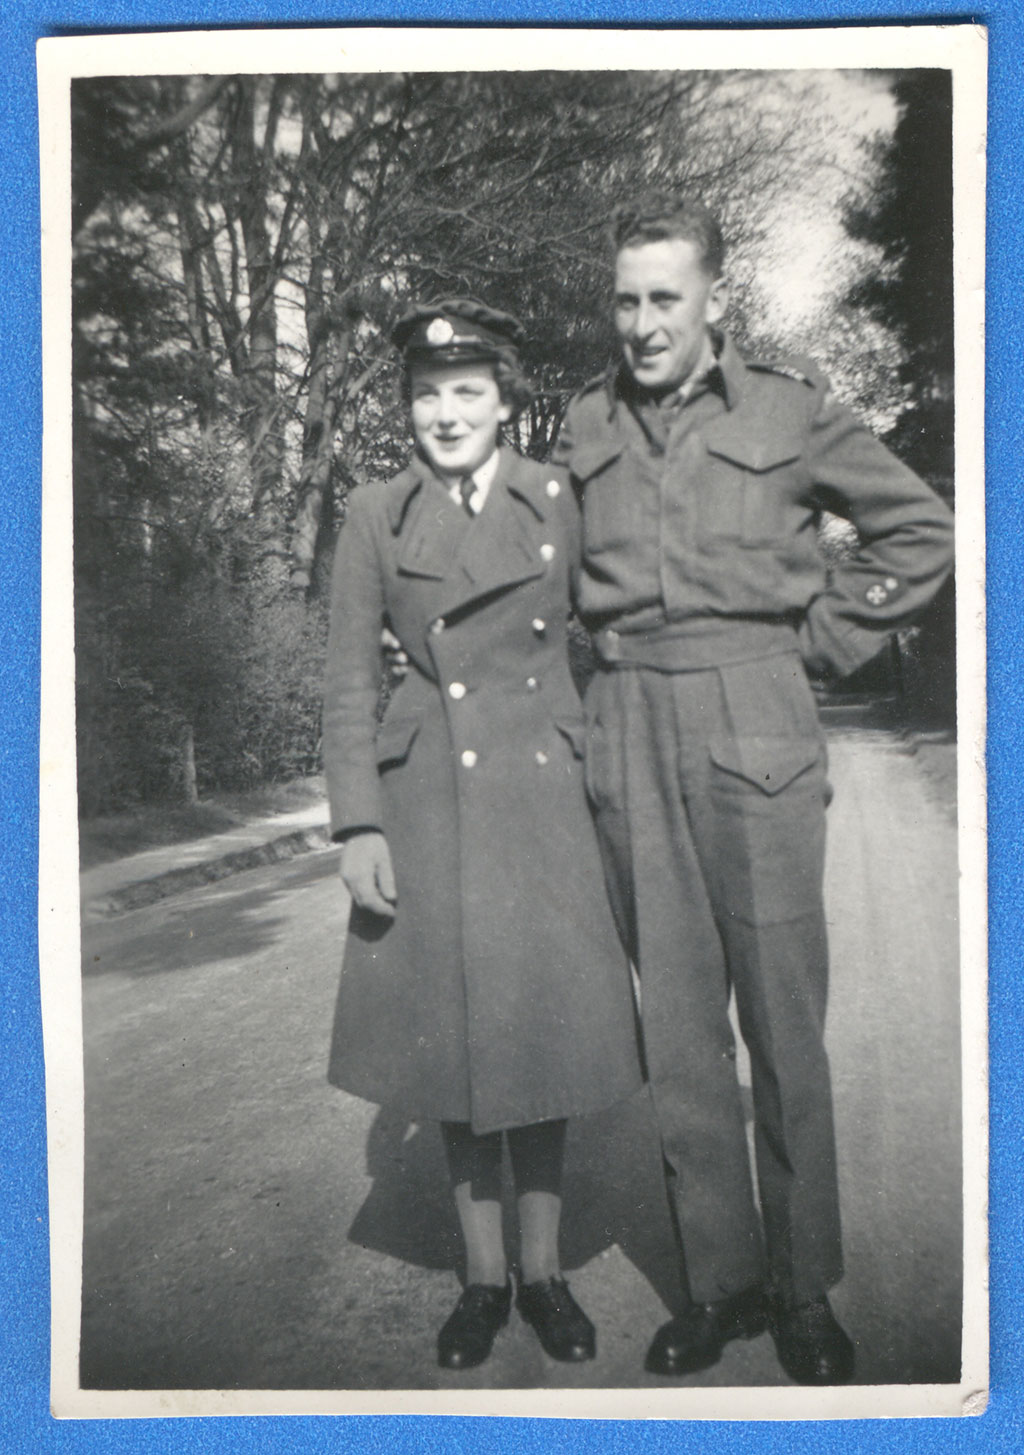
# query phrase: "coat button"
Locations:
[[539, 625], [540, 757], [891, 583], [457, 690], [553, 488], [532, 684], [547, 552], [469, 758], [436, 626]]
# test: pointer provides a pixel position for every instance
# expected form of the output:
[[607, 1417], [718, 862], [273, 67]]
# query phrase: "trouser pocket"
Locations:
[[767, 799]]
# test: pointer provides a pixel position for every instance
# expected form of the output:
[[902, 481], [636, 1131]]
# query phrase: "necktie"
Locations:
[[467, 489]]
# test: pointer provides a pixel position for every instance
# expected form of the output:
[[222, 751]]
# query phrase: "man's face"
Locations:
[[664, 302]]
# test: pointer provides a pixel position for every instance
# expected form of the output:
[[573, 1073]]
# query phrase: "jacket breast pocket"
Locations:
[[749, 490], [394, 740]]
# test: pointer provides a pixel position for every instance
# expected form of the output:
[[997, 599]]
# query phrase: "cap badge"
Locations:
[[439, 331]]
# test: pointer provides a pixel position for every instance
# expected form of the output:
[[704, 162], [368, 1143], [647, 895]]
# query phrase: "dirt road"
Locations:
[[246, 1226]]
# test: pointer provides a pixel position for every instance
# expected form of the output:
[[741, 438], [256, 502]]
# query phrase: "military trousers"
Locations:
[[709, 791]]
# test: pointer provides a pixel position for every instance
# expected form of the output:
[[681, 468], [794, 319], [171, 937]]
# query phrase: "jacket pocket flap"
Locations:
[[575, 729], [394, 738], [588, 459], [769, 763], [758, 455]]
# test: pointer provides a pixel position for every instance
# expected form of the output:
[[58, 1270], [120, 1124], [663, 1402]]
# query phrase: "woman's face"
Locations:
[[457, 412]]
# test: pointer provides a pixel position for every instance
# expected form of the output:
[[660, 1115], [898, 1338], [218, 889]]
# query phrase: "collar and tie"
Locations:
[[706, 374], [471, 490], [467, 489]]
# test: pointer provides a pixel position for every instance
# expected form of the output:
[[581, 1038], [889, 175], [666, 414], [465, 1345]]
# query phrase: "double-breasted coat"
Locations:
[[499, 994]]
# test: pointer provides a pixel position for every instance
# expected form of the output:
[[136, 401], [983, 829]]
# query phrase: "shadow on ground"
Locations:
[[227, 921], [613, 1194], [249, 1228]]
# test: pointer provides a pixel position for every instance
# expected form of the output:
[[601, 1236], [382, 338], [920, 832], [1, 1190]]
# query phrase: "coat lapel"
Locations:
[[429, 534], [500, 550]]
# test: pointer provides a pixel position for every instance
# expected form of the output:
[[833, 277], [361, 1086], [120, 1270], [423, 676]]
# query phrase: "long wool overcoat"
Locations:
[[499, 994]]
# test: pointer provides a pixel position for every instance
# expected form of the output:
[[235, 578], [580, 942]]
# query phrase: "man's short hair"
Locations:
[[656, 216]]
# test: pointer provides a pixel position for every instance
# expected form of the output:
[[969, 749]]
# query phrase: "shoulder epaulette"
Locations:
[[599, 381], [787, 371], [598, 385]]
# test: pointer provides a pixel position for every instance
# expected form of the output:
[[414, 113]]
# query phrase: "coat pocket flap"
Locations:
[[588, 459], [575, 729], [756, 454], [769, 763], [394, 739]]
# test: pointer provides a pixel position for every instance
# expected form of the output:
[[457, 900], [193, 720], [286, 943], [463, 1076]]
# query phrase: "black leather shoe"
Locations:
[[560, 1324], [467, 1337], [811, 1346], [695, 1339]]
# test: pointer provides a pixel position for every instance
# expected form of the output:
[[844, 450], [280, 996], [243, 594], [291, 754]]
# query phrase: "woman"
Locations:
[[484, 985]]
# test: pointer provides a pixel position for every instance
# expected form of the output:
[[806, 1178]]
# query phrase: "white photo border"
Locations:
[[961, 49]]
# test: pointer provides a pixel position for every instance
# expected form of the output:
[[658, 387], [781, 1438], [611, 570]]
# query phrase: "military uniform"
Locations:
[[499, 995], [708, 598]]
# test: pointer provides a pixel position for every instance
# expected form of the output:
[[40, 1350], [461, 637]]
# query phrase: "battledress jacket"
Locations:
[[707, 535], [499, 994]]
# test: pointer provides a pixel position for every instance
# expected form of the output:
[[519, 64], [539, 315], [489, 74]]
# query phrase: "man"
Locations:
[[702, 477]]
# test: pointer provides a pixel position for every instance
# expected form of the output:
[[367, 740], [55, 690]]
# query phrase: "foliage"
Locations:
[[243, 246], [908, 216]]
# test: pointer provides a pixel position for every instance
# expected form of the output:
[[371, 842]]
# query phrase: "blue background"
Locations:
[[25, 1422]]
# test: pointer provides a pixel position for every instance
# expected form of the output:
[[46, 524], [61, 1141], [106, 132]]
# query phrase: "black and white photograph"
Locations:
[[513, 711]]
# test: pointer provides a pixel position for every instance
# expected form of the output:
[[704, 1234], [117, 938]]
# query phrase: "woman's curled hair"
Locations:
[[514, 387]]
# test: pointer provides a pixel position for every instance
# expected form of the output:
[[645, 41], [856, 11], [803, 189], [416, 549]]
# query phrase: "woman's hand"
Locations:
[[366, 869]]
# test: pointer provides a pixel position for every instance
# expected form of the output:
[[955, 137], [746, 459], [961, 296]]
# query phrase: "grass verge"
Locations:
[[154, 825]]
